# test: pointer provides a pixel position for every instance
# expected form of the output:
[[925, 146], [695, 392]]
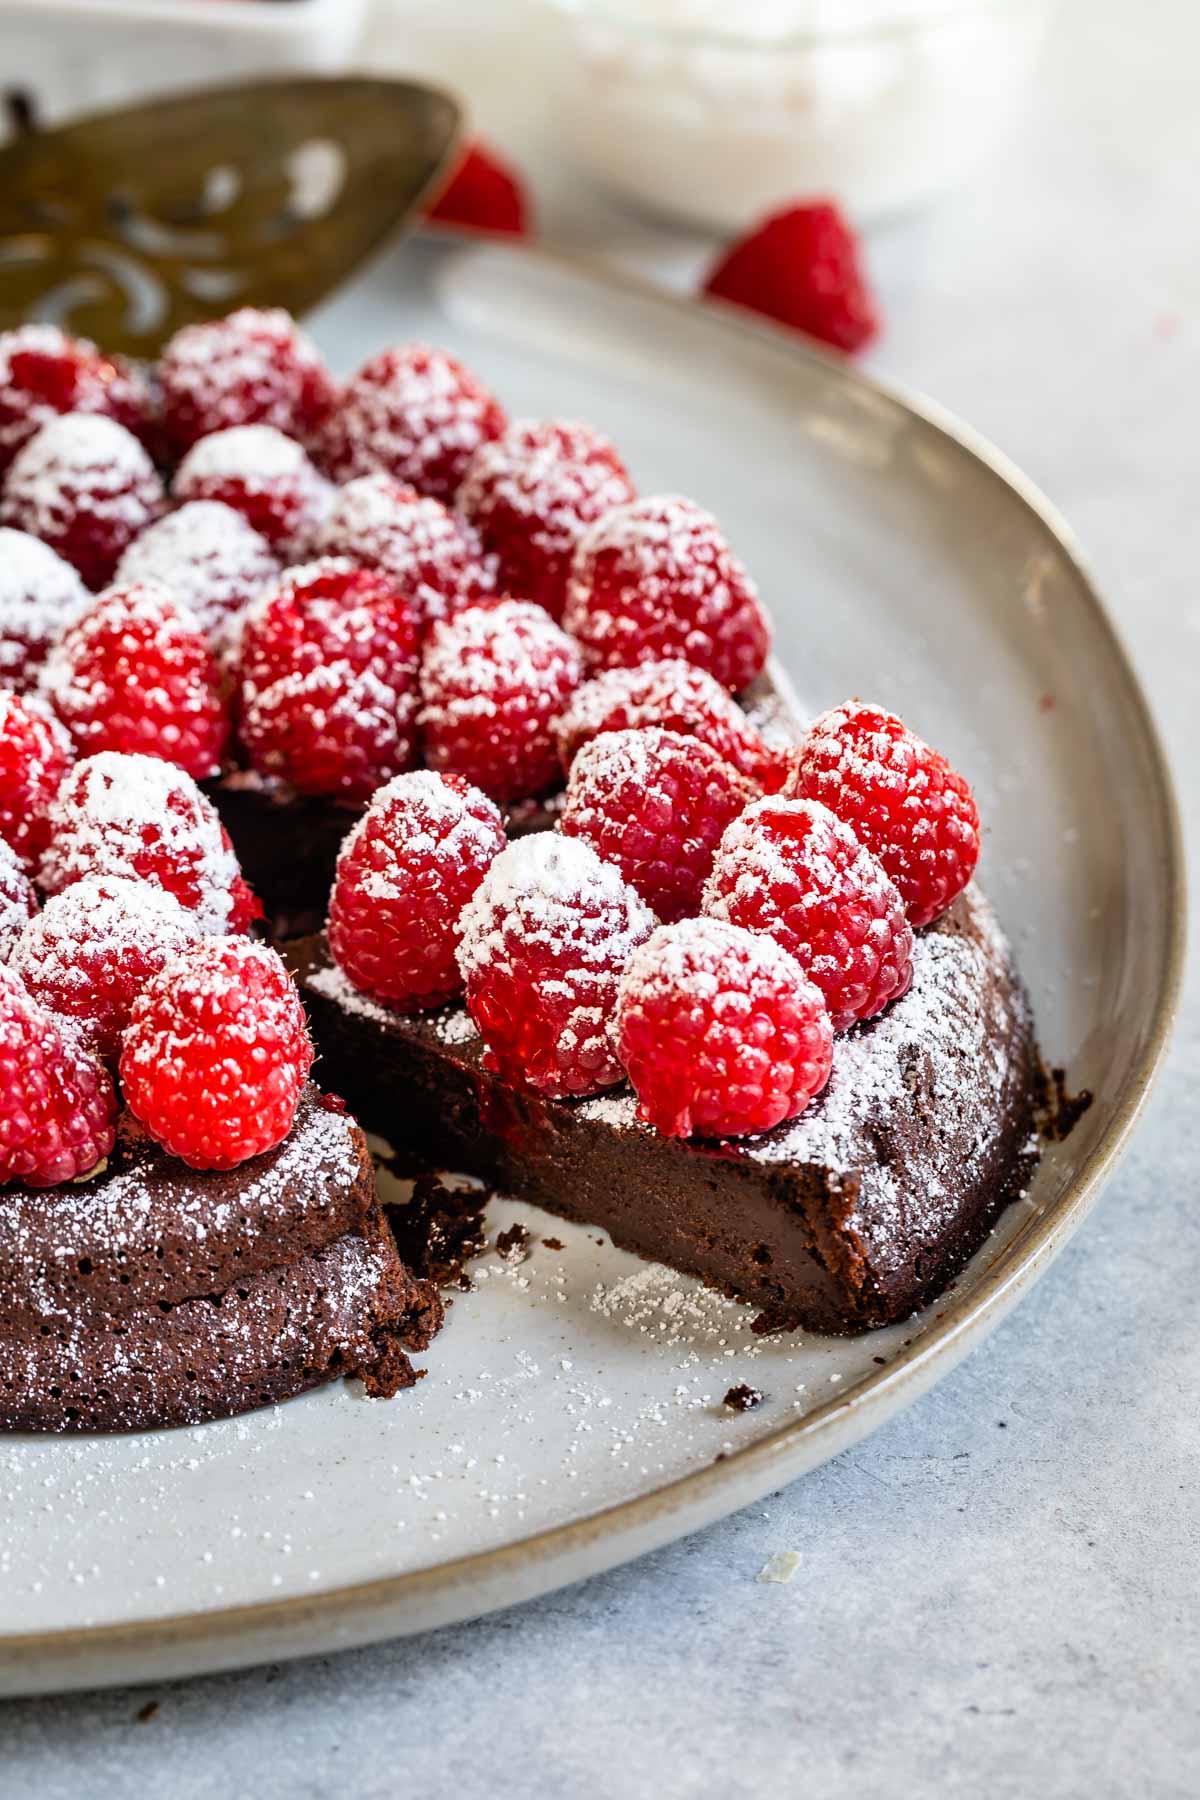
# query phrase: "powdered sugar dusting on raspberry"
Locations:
[[39, 594], [209, 556], [556, 894], [671, 693], [656, 578], [433, 555], [752, 858], [81, 455], [115, 812], [90, 945], [425, 817], [416, 413], [18, 902], [255, 358], [270, 475], [697, 951]]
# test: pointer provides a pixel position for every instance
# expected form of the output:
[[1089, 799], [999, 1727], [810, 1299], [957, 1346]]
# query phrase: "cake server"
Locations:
[[124, 226]]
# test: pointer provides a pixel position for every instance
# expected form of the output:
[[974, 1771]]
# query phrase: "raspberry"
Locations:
[[264, 476], [903, 799], [655, 804], [790, 868], [417, 414], [721, 1032], [35, 754], [325, 612], [57, 1106], [18, 902], [494, 679], [44, 373], [403, 877], [210, 557], [39, 592], [544, 941], [483, 194], [656, 578], [433, 556], [252, 368], [86, 487], [142, 817], [801, 266], [532, 492], [333, 730], [216, 1053], [678, 697], [92, 949], [134, 672]]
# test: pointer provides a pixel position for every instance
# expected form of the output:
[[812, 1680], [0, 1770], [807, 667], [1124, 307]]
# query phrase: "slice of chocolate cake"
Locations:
[[847, 1217], [347, 1309], [155, 1295]]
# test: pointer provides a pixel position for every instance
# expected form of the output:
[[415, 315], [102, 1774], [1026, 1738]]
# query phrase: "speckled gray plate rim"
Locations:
[[993, 590]]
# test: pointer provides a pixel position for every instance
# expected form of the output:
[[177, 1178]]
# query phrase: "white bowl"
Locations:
[[880, 104]]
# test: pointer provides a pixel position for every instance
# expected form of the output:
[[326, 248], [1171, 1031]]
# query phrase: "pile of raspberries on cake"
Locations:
[[387, 594]]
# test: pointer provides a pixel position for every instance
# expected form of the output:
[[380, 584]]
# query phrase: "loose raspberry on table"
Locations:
[[655, 803], [793, 870], [39, 594], [91, 950], [532, 492], [656, 578], [58, 1108], [544, 941], [403, 877], [333, 731], [483, 194], [210, 557], [255, 367], [135, 673], [679, 697], [432, 554], [494, 679], [43, 373], [86, 487], [417, 414], [911, 809], [721, 1032], [216, 1053], [330, 611], [141, 817], [35, 754], [18, 901], [802, 267], [263, 475]]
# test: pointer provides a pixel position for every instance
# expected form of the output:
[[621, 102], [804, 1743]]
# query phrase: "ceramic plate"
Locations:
[[572, 1414]]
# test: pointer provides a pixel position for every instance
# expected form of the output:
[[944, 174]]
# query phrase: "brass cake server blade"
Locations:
[[123, 226]]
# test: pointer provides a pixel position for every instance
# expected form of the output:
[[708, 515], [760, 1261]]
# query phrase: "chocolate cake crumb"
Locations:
[[553, 1243], [512, 1246], [743, 1398], [145, 1713], [1058, 1112], [440, 1230]]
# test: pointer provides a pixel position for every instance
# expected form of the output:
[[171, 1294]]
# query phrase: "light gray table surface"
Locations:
[[1000, 1592]]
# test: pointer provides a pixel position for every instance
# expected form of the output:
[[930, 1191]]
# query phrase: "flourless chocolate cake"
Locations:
[[490, 745]]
